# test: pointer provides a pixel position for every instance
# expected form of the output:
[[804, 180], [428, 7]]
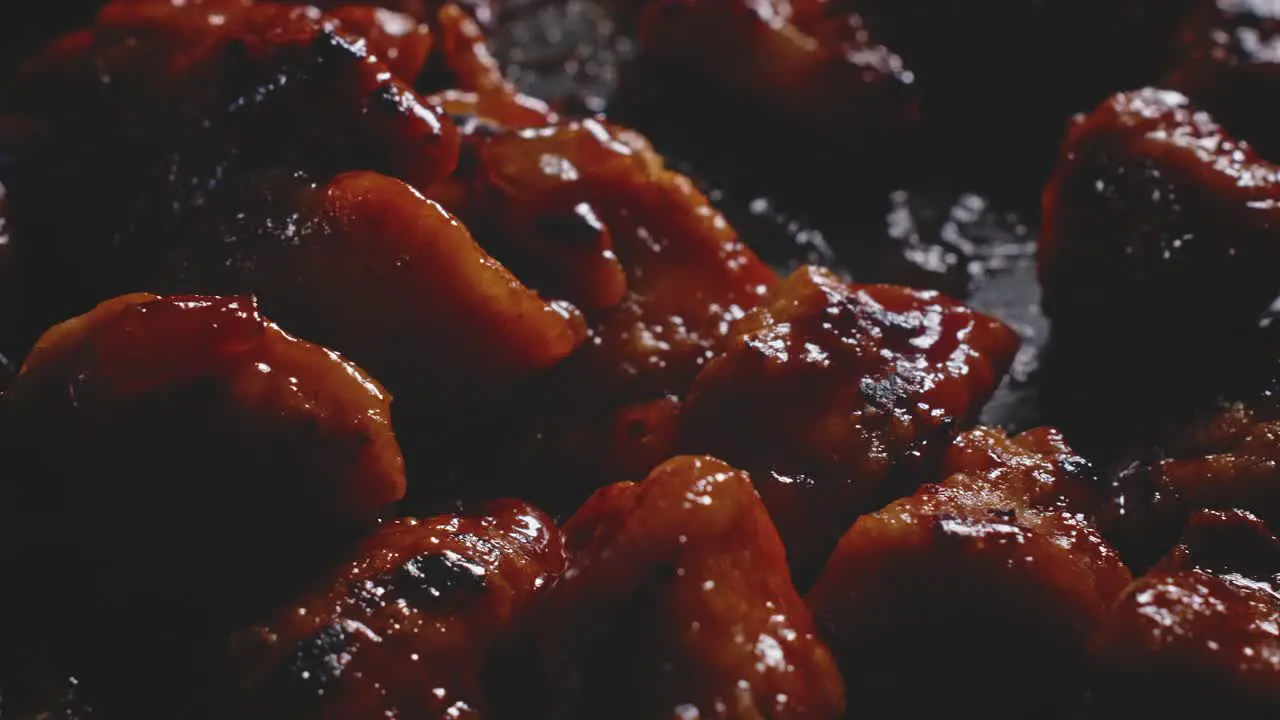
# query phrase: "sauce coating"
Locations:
[[838, 398], [677, 597]]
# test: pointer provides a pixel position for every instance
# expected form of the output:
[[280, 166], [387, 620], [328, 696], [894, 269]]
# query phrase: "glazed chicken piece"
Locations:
[[148, 115], [840, 398], [677, 603], [358, 261], [194, 420], [1226, 459], [686, 271], [416, 625], [364, 263], [1160, 243], [994, 574], [1228, 62], [1197, 636], [586, 211], [737, 71]]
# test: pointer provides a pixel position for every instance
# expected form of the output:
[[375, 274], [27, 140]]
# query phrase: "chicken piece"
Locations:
[[741, 70], [587, 211], [1229, 50], [840, 398], [995, 573], [677, 603], [365, 264], [542, 228], [151, 419], [687, 272], [153, 111], [1197, 636], [1158, 227], [1226, 459], [413, 626], [24, 27]]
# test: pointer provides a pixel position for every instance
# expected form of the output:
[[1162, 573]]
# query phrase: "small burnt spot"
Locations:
[[1003, 515], [437, 578], [321, 659], [637, 429], [881, 393], [665, 572]]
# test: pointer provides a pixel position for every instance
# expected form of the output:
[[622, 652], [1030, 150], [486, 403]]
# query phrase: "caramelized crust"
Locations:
[[1229, 63], [1151, 207], [677, 603], [364, 263], [410, 627], [1197, 636], [996, 573], [192, 419], [840, 398]]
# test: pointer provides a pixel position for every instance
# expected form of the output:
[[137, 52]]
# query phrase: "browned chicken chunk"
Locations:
[[587, 210], [993, 576], [414, 626], [358, 261], [365, 264], [1160, 238], [186, 426], [677, 603], [1226, 459], [838, 398], [1198, 636]]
